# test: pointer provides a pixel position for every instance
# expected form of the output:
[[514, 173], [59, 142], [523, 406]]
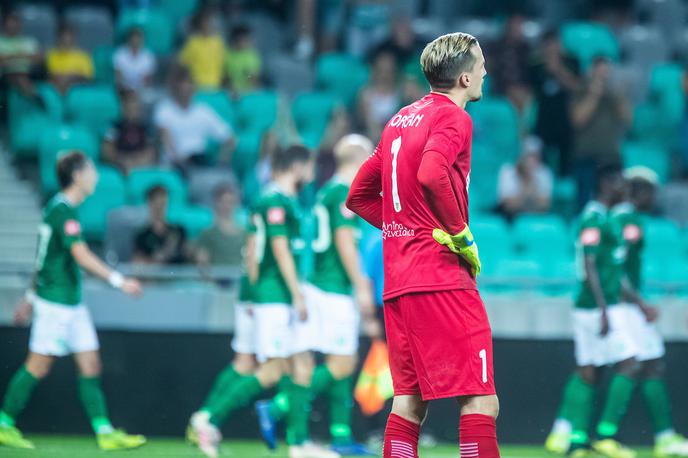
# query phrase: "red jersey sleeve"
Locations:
[[434, 178], [365, 195], [451, 130]]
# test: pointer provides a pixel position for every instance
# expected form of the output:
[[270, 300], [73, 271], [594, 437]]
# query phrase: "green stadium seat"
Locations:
[[312, 112], [140, 181], [666, 88], [102, 62], [515, 270], [651, 126], [495, 123], [156, 25], [57, 139], [26, 117], [53, 101], [649, 155], [193, 218], [96, 107], [257, 111], [587, 40], [246, 153], [543, 238], [341, 74], [109, 193], [177, 10], [220, 103], [662, 238], [494, 240]]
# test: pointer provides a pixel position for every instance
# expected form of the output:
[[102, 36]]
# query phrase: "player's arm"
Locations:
[[250, 259], [346, 245], [90, 262], [287, 267], [365, 195], [632, 295], [590, 237], [433, 176]]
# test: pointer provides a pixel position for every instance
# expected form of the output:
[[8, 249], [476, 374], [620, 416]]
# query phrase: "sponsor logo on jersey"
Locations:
[[411, 120], [395, 229], [631, 233], [590, 236], [276, 215], [72, 227]]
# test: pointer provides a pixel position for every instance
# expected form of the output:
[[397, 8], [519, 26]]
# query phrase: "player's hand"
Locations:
[[364, 298], [132, 287], [300, 306], [462, 244], [23, 312], [372, 327], [651, 313], [604, 324]]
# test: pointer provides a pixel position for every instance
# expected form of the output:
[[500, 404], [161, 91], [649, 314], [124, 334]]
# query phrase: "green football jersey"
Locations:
[[600, 235], [58, 278], [331, 214], [632, 229], [275, 214]]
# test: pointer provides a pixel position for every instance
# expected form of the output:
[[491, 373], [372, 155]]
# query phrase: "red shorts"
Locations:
[[440, 344]]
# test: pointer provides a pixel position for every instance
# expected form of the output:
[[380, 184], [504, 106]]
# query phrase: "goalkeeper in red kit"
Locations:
[[415, 189]]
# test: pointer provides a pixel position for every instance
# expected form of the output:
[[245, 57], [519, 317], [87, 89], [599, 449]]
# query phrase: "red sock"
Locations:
[[401, 438], [478, 436]]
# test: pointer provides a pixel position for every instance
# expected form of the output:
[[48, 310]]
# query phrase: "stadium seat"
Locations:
[[140, 180], [39, 21], [102, 62], [587, 40], [220, 103], [25, 117], [193, 218], [516, 272], [52, 101], [257, 111], [495, 122], [109, 193], [96, 107], [666, 89], [494, 240], [644, 46], [156, 26], [123, 223], [203, 182], [246, 153], [543, 238], [341, 74], [59, 138], [649, 155], [288, 74], [662, 238], [93, 25], [485, 167], [312, 112], [649, 126], [177, 10]]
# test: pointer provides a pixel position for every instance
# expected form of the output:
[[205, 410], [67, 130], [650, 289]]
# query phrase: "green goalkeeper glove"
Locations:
[[462, 244]]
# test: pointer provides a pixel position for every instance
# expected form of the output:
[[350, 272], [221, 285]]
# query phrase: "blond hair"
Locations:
[[446, 57], [350, 145]]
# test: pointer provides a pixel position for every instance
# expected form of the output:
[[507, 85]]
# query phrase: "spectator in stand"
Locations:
[[128, 145], [204, 52], [186, 127], [134, 64], [66, 63], [243, 62], [18, 55], [600, 117], [554, 78], [402, 42], [525, 187], [508, 59], [222, 243], [382, 97], [160, 242]]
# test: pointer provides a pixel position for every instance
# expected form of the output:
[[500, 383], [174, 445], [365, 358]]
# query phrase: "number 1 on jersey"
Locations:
[[396, 147]]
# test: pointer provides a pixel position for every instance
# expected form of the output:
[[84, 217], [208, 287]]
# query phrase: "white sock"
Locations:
[[562, 426], [664, 434]]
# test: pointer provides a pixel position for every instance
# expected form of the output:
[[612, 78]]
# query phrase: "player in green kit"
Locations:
[[62, 324], [278, 307], [601, 334], [336, 277], [642, 185]]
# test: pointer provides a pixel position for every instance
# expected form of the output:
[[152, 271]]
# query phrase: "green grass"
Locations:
[[85, 447]]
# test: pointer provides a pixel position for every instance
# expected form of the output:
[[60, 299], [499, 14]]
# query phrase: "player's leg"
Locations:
[[477, 426], [18, 393], [340, 394], [298, 415], [579, 397]]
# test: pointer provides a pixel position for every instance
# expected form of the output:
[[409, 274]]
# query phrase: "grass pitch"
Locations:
[[85, 447]]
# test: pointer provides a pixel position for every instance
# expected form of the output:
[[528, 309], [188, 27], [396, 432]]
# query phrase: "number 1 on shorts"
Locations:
[[483, 358]]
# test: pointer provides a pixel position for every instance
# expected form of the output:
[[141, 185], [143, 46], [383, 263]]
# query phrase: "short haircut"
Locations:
[[345, 148], [155, 191], [222, 189], [446, 57], [68, 163], [284, 158]]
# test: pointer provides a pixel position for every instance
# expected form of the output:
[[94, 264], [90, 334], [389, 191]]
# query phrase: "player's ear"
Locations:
[[465, 80]]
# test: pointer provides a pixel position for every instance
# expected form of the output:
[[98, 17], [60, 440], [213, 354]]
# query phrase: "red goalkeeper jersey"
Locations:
[[417, 180]]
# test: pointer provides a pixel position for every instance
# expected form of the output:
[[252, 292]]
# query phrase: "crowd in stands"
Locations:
[[206, 91]]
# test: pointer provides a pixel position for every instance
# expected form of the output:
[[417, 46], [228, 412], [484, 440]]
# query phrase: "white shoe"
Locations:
[[209, 438], [673, 445], [311, 450]]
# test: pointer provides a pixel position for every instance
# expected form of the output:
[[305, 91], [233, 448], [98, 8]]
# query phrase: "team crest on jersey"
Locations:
[[590, 236], [72, 227], [631, 233], [276, 215], [346, 213]]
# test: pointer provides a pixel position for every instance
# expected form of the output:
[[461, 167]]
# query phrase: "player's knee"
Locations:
[[244, 364], [588, 374], [270, 373], [412, 408], [630, 368], [654, 368], [39, 367], [341, 366], [484, 405], [91, 367]]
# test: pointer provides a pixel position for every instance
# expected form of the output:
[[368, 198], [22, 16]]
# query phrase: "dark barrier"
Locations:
[[154, 381]]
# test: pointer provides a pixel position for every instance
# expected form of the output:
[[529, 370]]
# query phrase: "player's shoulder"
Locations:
[[594, 212], [272, 196], [333, 190], [58, 207]]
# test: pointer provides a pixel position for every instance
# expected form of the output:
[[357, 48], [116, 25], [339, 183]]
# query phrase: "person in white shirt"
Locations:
[[526, 187], [134, 64], [187, 128]]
